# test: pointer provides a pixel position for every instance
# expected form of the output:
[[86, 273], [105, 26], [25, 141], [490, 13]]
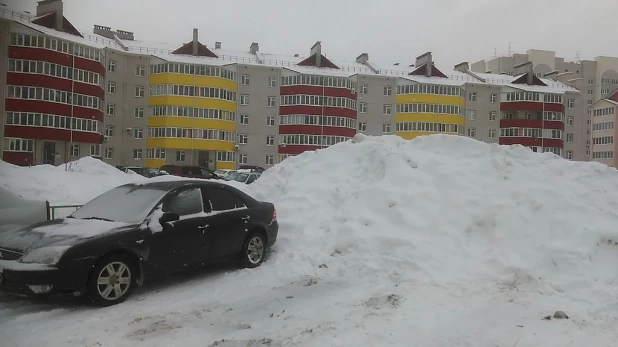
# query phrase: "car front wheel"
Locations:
[[112, 280], [254, 250]]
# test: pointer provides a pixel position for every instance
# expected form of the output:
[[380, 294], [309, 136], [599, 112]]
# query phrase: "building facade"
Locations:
[[603, 146], [132, 103]]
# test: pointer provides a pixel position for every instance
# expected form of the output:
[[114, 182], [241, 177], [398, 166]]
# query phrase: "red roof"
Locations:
[[48, 20], [313, 61]]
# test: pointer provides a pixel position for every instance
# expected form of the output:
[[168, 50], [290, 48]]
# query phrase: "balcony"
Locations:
[[539, 120], [530, 106]]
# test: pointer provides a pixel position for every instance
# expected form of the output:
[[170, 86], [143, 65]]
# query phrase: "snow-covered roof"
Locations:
[[506, 80]]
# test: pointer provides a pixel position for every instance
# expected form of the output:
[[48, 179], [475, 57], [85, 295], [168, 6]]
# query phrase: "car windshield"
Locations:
[[127, 204], [237, 176]]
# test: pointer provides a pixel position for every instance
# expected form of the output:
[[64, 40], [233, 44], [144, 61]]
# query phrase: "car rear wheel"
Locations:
[[254, 250], [112, 280]]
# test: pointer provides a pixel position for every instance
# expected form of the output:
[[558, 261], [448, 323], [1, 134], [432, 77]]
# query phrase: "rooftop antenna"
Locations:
[[577, 57], [509, 48]]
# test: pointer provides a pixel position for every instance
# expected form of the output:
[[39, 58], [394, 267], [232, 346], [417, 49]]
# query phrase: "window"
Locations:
[[140, 70], [569, 154], [109, 153], [185, 202], [74, 151], [244, 119], [242, 159], [180, 155], [270, 160], [386, 128], [492, 133], [362, 126], [138, 133], [244, 99], [270, 121], [493, 97], [139, 91], [591, 82], [569, 138], [111, 87], [364, 89], [472, 132], [571, 103], [111, 65], [138, 112], [589, 102], [109, 131], [243, 139], [362, 107], [472, 96], [272, 81], [222, 200], [244, 80], [388, 90], [570, 121], [270, 140], [386, 109], [492, 115], [271, 101], [589, 91], [111, 109], [137, 154], [472, 114]]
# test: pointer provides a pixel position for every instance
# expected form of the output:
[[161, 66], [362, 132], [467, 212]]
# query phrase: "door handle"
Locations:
[[203, 226], [246, 218]]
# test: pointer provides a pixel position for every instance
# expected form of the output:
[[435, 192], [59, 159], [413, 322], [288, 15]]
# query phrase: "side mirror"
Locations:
[[168, 217]]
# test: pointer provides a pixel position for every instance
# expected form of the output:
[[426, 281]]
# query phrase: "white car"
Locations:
[[16, 211], [241, 176], [223, 173]]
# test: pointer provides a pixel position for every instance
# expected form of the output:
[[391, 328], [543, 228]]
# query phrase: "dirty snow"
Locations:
[[438, 241]]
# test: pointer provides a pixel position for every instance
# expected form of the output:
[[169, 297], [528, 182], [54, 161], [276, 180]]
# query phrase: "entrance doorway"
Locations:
[[49, 153]]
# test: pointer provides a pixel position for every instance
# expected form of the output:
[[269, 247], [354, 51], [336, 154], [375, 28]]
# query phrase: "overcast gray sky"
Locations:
[[389, 30]]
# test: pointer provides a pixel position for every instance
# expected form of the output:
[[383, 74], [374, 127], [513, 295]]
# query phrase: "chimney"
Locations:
[[296, 55], [218, 45], [125, 35], [525, 68], [427, 60], [103, 31], [255, 47], [363, 58], [317, 50], [195, 46], [396, 64], [462, 67], [48, 6]]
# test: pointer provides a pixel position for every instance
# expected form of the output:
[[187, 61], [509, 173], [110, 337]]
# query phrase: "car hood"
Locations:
[[58, 232]]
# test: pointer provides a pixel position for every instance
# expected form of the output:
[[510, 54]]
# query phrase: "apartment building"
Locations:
[[596, 79], [603, 114], [147, 104]]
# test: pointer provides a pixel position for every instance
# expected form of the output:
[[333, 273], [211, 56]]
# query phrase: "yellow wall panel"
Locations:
[[188, 101], [430, 118], [409, 135], [189, 144], [188, 122], [154, 163], [430, 99], [191, 80], [226, 165]]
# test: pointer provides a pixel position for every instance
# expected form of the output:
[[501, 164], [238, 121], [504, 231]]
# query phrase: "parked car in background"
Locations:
[[223, 173], [143, 171], [109, 246], [243, 176], [188, 171], [252, 168], [16, 211]]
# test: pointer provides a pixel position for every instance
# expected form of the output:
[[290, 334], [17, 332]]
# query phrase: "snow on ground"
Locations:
[[438, 241]]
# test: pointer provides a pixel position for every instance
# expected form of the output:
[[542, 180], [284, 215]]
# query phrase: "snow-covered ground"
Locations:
[[439, 241]]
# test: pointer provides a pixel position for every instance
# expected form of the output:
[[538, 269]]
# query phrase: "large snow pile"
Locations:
[[75, 182], [439, 241]]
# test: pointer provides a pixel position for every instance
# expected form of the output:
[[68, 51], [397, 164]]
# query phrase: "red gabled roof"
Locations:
[[613, 96], [202, 51], [48, 20], [523, 79], [420, 71], [312, 61]]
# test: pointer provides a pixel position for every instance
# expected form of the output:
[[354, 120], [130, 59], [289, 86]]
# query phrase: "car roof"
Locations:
[[175, 184]]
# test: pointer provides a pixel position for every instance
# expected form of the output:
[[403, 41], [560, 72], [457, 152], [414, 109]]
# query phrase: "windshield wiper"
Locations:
[[99, 218]]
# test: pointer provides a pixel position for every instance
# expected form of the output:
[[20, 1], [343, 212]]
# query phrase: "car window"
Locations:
[[222, 200], [185, 202], [185, 171], [251, 179], [206, 173]]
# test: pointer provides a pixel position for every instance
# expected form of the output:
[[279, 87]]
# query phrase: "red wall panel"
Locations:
[[531, 123], [530, 141], [316, 130], [58, 109], [51, 134], [317, 90], [530, 106], [297, 149], [40, 54], [18, 158]]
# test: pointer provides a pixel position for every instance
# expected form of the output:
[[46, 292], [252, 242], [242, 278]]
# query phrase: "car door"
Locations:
[[229, 221], [184, 241]]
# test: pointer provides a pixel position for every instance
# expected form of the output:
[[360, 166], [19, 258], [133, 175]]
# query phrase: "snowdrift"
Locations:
[[438, 241]]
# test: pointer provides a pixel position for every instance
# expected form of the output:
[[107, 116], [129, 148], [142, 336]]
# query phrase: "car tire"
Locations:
[[112, 280], [253, 250]]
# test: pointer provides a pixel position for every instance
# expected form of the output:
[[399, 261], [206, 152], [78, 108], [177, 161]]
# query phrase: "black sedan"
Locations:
[[107, 247]]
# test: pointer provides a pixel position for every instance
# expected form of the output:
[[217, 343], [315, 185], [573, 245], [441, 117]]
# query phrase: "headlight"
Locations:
[[45, 255]]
